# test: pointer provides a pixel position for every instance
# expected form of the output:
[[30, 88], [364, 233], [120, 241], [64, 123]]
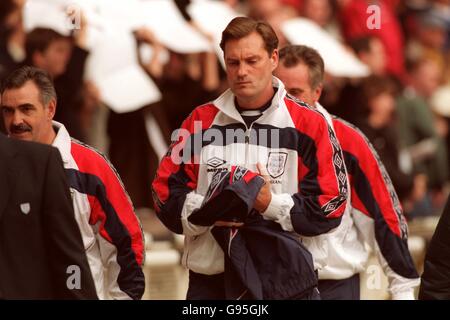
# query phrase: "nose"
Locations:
[[17, 118], [242, 70]]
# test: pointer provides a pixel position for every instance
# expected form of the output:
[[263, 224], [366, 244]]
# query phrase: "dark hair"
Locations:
[[373, 86], [41, 79], [241, 27], [414, 65], [7, 7], [361, 44], [38, 40], [291, 55]]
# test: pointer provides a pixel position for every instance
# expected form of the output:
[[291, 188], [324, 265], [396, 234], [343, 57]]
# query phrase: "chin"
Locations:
[[22, 136], [243, 92]]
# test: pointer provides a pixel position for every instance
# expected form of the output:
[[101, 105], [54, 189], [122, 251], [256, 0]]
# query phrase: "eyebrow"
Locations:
[[20, 106], [26, 105], [255, 56]]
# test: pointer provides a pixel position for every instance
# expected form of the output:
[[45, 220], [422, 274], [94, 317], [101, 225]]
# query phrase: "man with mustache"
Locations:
[[111, 232]]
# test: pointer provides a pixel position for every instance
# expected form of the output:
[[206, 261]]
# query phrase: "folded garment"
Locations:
[[263, 261], [230, 197]]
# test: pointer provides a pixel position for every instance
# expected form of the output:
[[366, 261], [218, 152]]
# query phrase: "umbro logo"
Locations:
[[215, 162]]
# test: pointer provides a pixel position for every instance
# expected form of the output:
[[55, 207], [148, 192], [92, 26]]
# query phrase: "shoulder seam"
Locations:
[[113, 169]]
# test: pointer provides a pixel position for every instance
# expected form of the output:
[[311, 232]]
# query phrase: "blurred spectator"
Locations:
[[323, 12], [275, 12], [185, 80], [11, 39], [380, 127], [296, 4], [263, 9], [130, 148], [429, 39], [417, 126], [355, 23], [440, 104], [370, 50], [11, 36], [64, 59], [185, 84]]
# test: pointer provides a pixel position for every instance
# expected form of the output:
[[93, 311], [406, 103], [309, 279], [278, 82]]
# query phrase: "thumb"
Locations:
[[262, 170]]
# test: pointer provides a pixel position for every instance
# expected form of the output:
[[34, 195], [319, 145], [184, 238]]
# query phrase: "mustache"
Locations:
[[21, 128]]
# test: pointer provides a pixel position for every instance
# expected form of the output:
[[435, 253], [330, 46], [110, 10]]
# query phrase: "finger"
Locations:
[[228, 224], [263, 171]]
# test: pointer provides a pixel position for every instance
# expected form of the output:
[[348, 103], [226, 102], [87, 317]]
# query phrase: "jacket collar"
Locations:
[[325, 113], [62, 141], [225, 102]]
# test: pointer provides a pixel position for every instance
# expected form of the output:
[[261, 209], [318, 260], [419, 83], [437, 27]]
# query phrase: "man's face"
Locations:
[[375, 58], [297, 83], [427, 78], [249, 68], [318, 10], [24, 115], [383, 106], [55, 58]]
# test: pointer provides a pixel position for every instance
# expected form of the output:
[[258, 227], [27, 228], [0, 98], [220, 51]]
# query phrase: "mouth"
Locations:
[[19, 134]]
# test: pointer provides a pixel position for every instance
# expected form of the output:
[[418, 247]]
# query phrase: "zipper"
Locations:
[[247, 144]]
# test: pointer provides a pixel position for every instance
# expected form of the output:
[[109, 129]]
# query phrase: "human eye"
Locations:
[[6, 110], [27, 109]]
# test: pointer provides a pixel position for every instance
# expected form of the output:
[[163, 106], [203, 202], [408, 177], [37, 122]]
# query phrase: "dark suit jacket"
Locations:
[[436, 276], [39, 237]]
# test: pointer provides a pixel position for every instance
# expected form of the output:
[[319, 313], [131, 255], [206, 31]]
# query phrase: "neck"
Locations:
[[49, 137], [256, 103]]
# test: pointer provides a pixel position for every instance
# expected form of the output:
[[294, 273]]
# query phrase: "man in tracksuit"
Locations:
[[254, 125], [376, 216], [111, 232]]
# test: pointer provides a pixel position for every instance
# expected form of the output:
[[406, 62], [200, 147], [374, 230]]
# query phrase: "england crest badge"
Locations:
[[276, 163]]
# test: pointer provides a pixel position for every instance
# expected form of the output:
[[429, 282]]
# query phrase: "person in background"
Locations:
[[64, 58], [419, 134], [370, 50], [375, 216]]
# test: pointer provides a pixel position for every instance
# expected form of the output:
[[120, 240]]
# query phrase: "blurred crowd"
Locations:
[[403, 106]]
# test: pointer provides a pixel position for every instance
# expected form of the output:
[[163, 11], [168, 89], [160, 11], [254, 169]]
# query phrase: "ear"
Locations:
[[274, 59], [51, 109], [318, 92]]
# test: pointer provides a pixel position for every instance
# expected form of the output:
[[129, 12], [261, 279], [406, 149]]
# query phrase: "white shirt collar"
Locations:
[[62, 141], [225, 102]]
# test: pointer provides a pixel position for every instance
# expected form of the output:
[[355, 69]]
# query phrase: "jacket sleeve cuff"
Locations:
[[404, 295], [193, 201], [279, 210]]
